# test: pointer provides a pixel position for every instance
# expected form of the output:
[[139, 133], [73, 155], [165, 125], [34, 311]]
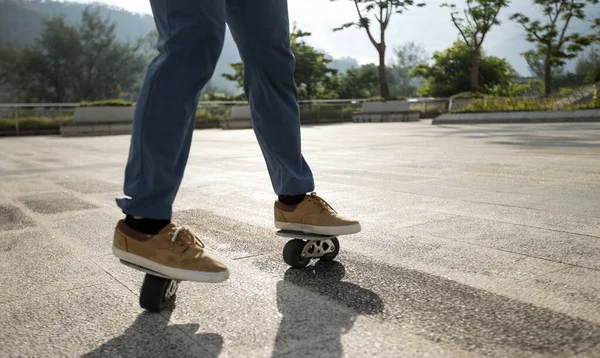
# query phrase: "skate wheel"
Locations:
[[332, 255], [292, 254], [157, 293]]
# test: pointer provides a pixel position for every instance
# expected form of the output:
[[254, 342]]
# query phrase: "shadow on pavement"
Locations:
[[311, 330], [151, 336]]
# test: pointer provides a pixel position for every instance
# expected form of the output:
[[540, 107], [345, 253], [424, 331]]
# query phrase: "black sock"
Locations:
[[291, 199], [147, 226]]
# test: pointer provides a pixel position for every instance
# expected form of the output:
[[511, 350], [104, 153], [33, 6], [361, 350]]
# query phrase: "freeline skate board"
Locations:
[[304, 246], [157, 291]]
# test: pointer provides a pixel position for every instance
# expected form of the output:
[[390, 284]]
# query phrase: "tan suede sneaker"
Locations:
[[314, 216], [174, 252]]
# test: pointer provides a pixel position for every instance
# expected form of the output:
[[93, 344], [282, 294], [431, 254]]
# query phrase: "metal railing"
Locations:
[[27, 118]]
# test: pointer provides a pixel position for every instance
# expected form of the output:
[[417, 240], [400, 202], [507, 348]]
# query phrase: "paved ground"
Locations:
[[477, 241]]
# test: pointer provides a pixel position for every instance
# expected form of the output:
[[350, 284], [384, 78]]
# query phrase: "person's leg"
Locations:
[[190, 41], [261, 31], [191, 35]]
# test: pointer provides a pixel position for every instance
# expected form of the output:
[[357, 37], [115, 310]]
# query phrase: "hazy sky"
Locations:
[[429, 26]]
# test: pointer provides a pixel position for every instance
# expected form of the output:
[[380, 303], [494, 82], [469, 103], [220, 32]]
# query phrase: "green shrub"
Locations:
[[212, 113], [32, 123], [467, 95], [510, 104], [108, 102], [381, 99]]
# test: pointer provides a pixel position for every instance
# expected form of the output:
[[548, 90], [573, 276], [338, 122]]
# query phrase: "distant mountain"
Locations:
[[21, 21]]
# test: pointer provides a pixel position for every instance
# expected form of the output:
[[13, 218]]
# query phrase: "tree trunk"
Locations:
[[383, 86], [475, 70], [548, 78]]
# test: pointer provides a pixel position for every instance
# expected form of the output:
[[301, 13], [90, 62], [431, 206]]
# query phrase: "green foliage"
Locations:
[[554, 45], [312, 75], [238, 74], [467, 95], [449, 74], [31, 122], [381, 99], [106, 103], [511, 104], [358, 82], [222, 96], [480, 16], [212, 113], [407, 57], [514, 89], [70, 64]]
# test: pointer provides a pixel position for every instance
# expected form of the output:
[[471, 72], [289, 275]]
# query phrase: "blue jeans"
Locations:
[[191, 35]]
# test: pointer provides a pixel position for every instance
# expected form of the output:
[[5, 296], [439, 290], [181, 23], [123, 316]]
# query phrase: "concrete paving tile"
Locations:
[[585, 225], [552, 245], [593, 352], [19, 185], [88, 186], [573, 291], [11, 218], [449, 292], [53, 203], [235, 237], [92, 230], [481, 267], [275, 317], [96, 321], [34, 263], [442, 310], [571, 204], [11, 165]]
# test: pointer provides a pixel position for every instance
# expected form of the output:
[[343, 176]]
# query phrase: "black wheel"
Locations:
[[292, 252], [332, 255], [157, 293]]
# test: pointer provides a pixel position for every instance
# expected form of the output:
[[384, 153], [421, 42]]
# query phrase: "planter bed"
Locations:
[[400, 116], [584, 115]]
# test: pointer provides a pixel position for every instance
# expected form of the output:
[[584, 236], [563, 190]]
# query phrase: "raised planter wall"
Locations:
[[584, 115], [106, 114], [94, 129], [460, 103], [388, 106], [100, 120], [239, 118], [406, 116]]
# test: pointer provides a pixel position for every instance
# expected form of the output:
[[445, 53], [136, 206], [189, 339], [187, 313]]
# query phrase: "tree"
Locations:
[[314, 79], [553, 44], [385, 9], [480, 16], [58, 50], [408, 56], [17, 77], [358, 82], [449, 74], [107, 64], [68, 63], [312, 74]]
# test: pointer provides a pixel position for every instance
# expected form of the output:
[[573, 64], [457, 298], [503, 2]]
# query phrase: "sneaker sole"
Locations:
[[174, 273], [319, 230]]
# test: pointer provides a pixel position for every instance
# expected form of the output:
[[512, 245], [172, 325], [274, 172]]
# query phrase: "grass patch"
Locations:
[[508, 104], [107, 103], [467, 95], [381, 99], [32, 123], [212, 113], [323, 111]]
